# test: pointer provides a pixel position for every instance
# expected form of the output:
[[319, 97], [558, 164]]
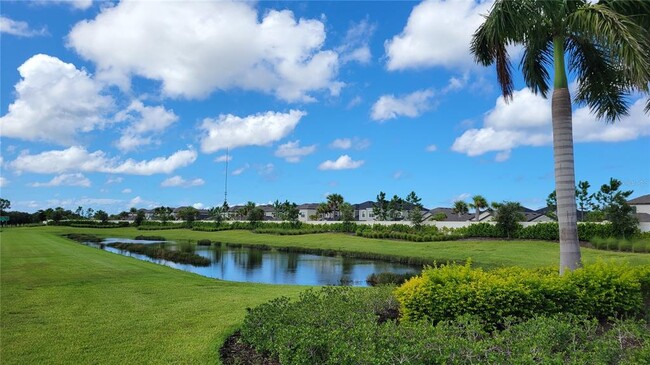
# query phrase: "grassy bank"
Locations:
[[65, 303], [487, 254]]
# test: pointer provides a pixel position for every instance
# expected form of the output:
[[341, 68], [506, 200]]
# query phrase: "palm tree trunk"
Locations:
[[565, 180]]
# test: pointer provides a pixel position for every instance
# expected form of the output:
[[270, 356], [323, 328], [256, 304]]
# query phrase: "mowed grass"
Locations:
[[484, 253], [65, 303]]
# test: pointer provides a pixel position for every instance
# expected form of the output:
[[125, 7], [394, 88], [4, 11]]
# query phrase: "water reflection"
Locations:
[[270, 266]]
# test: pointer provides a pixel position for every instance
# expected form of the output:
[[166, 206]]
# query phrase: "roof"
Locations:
[[308, 206], [642, 200], [364, 205]]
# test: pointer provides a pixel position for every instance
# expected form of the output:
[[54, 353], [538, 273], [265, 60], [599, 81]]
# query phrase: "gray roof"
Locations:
[[364, 205], [308, 206], [642, 200]]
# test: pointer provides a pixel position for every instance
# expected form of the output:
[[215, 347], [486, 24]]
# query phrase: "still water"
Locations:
[[270, 266]]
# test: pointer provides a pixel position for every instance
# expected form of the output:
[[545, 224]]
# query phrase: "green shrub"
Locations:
[[599, 290], [389, 278], [154, 251], [204, 242], [351, 326]]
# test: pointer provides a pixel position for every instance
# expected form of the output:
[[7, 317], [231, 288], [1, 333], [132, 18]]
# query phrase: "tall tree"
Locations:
[[478, 203], [188, 214], [380, 207], [551, 205], [613, 203], [323, 210], [4, 205], [608, 51], [101, 216], [395, 208], [508, 216], [582, 194], [460, 208]]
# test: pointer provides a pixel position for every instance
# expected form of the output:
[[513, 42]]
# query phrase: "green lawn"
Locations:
[[65, 303], [62, 302]]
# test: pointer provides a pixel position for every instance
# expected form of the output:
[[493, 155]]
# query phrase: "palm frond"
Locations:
[[535, 62], [505, 25], [626, 41], [599, 79]]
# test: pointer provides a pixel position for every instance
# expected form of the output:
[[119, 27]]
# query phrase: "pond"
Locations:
[[255, 265]]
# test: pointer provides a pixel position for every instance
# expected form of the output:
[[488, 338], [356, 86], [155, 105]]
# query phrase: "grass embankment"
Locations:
[[65, 303], [484, 253]]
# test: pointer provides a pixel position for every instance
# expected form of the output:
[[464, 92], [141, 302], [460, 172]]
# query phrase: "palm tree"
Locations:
[[460, 208], [607, 51], [334, 201], [478, 203]]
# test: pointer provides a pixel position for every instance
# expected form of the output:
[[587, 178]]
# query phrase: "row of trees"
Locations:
[[393, 210]]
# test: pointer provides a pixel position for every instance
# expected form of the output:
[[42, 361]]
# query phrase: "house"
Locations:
[[306, 211], [364, 211], [642, 207]]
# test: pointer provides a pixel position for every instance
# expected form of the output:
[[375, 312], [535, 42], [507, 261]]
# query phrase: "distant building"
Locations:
[[642, 207]]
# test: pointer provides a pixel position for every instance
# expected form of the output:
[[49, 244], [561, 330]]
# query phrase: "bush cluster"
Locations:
[[601, 291], [150, 238], [389, 278], [204, 242], [85, 223], [347, 326], [289, 232], [157, 252], [413, 237]]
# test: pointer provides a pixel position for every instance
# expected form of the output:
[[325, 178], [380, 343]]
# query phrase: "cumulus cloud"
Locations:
[[79, 159], [19, 28], [431, 148], [230, 131], [526, 121], [114, 180], [438, 33], [143, 120], [66, 180], [54, 102], [410, 105], [347, 143], [127, 191], [178, 181], [3, 182], [344, 162], [292, 152], [209, 45]]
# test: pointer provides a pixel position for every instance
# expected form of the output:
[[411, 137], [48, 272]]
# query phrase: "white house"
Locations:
[[642, 206], [363, 211], [307, 210]]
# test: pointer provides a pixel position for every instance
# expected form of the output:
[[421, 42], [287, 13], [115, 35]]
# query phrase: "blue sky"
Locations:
[[111, 105]]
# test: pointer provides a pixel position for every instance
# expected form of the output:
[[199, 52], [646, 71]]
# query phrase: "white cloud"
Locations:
[[18, 28], [267, 171], [347, 143], [178, 181], [198, 205], [79, 159], [114, 180], [461, 197], [354, 102], [66, 180], [292, 152], [438, 33], [355, 45], [526, 121], [54, 102], [240, 170], [410, 105], [143, 119], [230, 131], [431, 148], [344, 162], [231, 47], [398, 174], [223, 158], [127, 191], [3, 182]]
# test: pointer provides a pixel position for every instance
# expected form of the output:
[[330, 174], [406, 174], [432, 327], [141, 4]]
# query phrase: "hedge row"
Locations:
[[601, 290], [408, 236], [346, 326], [547, 231], [623, 245], [289, 232]]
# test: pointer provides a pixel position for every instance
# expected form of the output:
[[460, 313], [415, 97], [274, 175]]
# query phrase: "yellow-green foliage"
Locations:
[[601, 290]]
